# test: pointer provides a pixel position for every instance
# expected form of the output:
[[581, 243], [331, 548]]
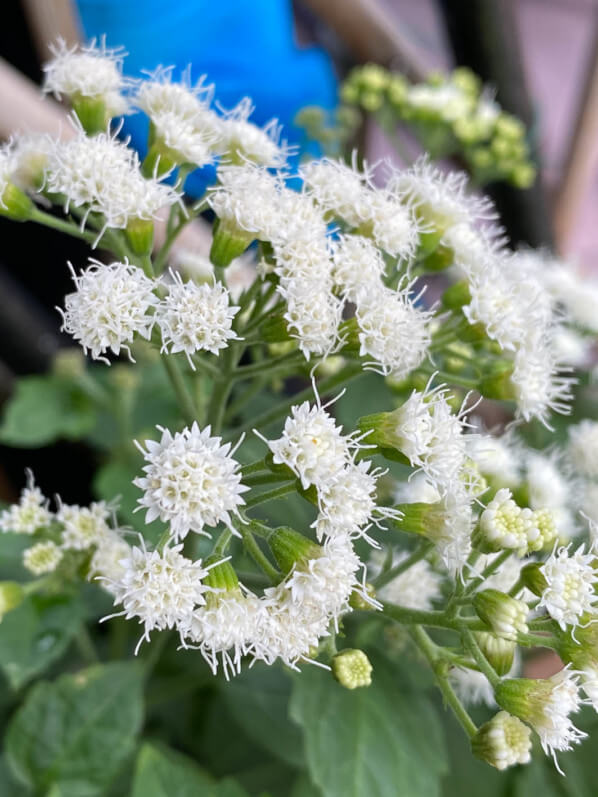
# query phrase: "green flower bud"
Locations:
[[506, 616], [12, 595], [92, 113], [15, 204], [533, 578], [500, 652], [140, 235], [228, 243], [290, 548], [69, 363], [523, 176], [457, 295], [352, 668], [503, 741]]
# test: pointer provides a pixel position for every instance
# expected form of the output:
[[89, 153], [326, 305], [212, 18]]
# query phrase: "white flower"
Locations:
[[109, 307], [312, 445], [185, 127], [571, 581], [431, 436], [347, 500], [83, 526], [418, 587], [475, 250], [7, 169], [246, 199], [107, 564], [338, 189], [546, 705], [162, 589], [439, 199], [394, 333], [191, 481], [30, 514], [195, 318], [226, 629], [303, 262], [583, 447], [495, 457], [313, 316], [450, 102], [349, 194], [358, 265], [547, 484], [90, 71], [291, 630], [240, 138], [472, 687], [506, 525], [452, 535], [538, 382], [31, 153], [589, 684], [43, 557], [510, 307], [416, 490], [571, 348], [102, 175]]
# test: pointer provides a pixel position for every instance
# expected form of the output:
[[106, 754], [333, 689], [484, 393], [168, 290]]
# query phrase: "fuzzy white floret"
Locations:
[[83, 526], [89, 71], [195, 318], [191, 481], [238, 137], [571, 581], [313, 316], [394, 333], [111, 305], [30, 514], [583, 447]]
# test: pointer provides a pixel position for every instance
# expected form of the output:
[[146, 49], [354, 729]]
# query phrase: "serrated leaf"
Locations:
[[258, 699], [379, 741], [44, 409], [161, 772], [35, 634], [74, 734]]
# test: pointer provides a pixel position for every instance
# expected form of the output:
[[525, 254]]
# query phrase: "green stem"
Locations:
[[386, 577], [271, 367], [538, 640], [270, 495], [485, 667], [428, 648], [222, 543], [258, 556], [407, 616], [245, 396], [67, 227], [488, 571], [282, 408], [185, 401]]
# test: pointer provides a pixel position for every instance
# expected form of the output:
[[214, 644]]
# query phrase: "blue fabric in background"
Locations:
[[245, 47]]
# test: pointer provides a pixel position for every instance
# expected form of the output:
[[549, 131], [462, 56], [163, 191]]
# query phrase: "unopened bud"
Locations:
[[500, 652], [140, 235], [358, 600], [506, 616], [533, 578], [92, 113], [43, 557], [228, 243], [290, 548], [352, 668], [503, 741], [12, 595], [15, 203]]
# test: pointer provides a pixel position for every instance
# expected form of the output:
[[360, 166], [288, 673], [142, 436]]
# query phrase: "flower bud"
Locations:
[[533, 578], [91, 112], [290, 547], [12, 595], [505, 615], [420, 517], [543, 520], [228, 243], [352, 668], [504, 525], [43, 557], [140, 235], [15, 204], [500, 652], [503, 741], [457, 295], [221, 575]]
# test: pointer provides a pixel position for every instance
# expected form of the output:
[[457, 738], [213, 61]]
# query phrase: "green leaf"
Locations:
[[44, 409], [75, 734], [116, 479], [379, 741], [8, 787], [161, 772], [303, 787], [258, 700], [35, 634]]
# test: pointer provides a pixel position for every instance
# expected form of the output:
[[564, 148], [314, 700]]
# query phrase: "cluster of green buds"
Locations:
[[451, 115], [332, 130]]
